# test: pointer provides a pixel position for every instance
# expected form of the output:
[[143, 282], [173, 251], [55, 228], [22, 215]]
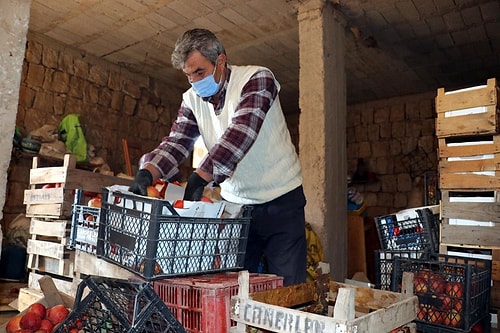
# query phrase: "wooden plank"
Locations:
[[61, 267], [474, 146], [66, 286], [285, 320], [49, 210], [473, 124], [72, 178], [356, 245], [495, 295], [28, 296], [44, 196], [471, 236], [46, 249], [449, 181], [58, 228], [474, 96], [468, 165], [89, 264], [478, 205]]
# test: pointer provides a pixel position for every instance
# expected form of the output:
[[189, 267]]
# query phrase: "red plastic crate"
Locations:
[[202, 303]]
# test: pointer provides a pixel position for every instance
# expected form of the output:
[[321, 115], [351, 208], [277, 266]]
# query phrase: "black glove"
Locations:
[[142, 180], [194, 187]]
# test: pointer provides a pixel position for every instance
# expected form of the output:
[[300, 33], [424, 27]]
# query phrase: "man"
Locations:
[[237, 112]]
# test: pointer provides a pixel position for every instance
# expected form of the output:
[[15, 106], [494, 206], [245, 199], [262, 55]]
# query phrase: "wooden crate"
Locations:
[[57, 202], [357, 309], [47, 248], [89, 264], [470, 218], [470, 111], [469, 162]]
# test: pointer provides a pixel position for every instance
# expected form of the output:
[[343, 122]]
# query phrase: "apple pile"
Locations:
[[37, 319], [447, 307]]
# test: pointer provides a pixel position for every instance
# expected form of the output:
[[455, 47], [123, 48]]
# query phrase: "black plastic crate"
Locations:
[[141, 234], [485, 327], [112, 305], [384, 264], [453, 292], [418, 233], [84, 228]]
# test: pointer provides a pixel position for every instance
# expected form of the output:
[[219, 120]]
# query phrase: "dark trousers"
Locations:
[[277, 232]]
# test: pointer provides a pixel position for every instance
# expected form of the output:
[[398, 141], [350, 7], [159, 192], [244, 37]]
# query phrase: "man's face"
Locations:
[[197, 67]]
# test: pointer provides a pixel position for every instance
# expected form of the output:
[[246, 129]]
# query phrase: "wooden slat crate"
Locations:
[[471, 218], [469, 154], [57, 202], [470, 111], [47, 249], [357, 309]]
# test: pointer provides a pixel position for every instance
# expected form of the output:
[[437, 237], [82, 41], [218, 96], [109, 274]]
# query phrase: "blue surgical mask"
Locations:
[[207, 86]]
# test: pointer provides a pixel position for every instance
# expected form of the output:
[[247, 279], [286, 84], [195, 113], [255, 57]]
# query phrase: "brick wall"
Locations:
[[396, 140]]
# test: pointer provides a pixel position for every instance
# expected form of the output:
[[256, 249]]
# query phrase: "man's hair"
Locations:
[[201, 40]]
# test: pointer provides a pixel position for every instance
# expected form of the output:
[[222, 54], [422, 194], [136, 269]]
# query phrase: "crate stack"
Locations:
[[467, 128], [188, 261], [49, 203], [412, 233]]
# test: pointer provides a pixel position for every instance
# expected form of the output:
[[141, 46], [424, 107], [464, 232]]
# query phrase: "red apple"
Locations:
[[57, 313], [455, 289], [30, 321], [419, 285], [457, 304], [95, 202], [453, 319], [435, 316], [478, 328], [153, 192], [38, 308], [446, 302], [46, 325], [422, 311], [47, 186], [424, 274], [437, 284], [13, 324]]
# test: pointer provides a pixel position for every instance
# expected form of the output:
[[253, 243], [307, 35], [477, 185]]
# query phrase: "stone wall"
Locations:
[[396, 140], [113, 103]]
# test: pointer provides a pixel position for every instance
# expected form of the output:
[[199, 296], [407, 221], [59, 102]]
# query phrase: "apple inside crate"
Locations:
[[453, 291], [52, 298]]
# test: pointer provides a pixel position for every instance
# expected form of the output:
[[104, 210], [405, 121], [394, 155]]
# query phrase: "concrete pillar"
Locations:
[[322, 127], [14, 23]]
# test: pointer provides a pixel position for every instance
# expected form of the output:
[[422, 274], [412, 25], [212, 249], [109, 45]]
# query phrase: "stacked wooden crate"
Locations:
[[49, 203], [467, 128]]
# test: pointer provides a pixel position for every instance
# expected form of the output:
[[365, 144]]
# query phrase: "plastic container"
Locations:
[[112, 305], [453, 292], [84, 228], [141, 234], [202, 303], [384, 264], [417, 233]]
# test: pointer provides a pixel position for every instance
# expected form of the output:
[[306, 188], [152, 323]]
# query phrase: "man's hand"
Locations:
[[194, 187], [142, 180]]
